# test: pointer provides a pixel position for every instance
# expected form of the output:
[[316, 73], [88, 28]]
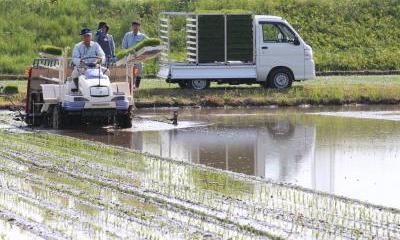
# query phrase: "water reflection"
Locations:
[[358, 158]]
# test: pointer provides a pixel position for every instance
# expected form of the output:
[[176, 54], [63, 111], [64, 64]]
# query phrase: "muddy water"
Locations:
[[57, 187], [349, 151]]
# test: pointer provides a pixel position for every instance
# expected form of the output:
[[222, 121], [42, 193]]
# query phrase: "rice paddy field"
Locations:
[[58, 187]]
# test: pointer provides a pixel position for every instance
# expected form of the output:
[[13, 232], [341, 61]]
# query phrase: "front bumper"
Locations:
[[82, 105], [96, 113], [309, 70]]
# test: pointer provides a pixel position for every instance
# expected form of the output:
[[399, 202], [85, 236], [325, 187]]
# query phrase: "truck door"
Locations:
[[277, 45]]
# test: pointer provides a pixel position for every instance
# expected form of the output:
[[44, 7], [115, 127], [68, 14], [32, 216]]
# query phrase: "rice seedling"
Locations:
[[145, 43], [52, 50], [151, 196], [8, 89]]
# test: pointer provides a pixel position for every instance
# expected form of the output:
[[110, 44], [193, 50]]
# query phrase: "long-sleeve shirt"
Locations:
[[106, 42], [90, 52], [130, 39]]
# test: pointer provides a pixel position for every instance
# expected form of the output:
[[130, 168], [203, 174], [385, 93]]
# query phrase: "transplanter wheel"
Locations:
[[57, 118], [199, 84], [123, 120]]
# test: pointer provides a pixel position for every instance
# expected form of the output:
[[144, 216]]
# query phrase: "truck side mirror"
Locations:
[[296, 41]]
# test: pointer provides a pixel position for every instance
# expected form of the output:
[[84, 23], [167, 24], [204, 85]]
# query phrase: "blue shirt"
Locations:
[[106, 42], [82, 51], [130, 39]]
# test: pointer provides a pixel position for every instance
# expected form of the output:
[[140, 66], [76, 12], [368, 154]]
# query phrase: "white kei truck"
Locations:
[[235, 49]]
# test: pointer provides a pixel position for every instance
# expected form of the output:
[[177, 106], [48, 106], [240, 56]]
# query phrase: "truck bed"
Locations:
[[182, 71]]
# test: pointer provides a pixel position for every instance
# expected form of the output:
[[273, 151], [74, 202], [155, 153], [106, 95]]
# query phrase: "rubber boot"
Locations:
[[137, 81]]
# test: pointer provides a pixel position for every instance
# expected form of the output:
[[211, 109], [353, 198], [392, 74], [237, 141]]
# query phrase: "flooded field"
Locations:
[[58, 187], [349, 151]]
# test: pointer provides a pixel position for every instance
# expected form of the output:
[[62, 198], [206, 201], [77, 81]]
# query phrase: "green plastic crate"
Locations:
[[211, 38]]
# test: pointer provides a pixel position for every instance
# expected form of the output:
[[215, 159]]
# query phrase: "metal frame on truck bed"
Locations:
[[234, 49]]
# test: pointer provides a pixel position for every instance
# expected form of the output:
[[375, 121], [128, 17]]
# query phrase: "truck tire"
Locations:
[[183, 85], [57, 118], [280, 78], [123, 120], [198, 84]]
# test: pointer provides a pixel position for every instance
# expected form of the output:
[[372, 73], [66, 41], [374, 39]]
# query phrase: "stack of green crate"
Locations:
[[240, 38], [211, 38]]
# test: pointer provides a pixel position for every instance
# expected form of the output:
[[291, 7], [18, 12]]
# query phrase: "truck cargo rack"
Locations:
[[211, 38]]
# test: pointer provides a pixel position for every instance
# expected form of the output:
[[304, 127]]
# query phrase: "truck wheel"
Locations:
[[123, 120], [198, 84], [183, 85], [47, 120], [280, 78], [57, 118]]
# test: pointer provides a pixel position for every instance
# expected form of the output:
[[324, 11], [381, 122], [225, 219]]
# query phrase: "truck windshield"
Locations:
[[288, 33], [277, 33]]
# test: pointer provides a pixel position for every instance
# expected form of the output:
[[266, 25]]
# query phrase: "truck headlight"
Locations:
[[308, 53]]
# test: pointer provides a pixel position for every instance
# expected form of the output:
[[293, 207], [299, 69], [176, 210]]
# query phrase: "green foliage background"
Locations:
[[345, 34]]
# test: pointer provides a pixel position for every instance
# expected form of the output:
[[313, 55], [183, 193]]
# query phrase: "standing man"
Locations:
[[85, 51], [130, 40], [106, 41]]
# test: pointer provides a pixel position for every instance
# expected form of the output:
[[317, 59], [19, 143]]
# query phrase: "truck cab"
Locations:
[[282, 56], [235, 49]]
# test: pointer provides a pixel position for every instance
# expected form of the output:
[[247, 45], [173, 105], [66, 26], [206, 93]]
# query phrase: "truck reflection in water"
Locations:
[[277, 149]]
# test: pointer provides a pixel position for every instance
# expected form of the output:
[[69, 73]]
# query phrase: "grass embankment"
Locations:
[[336, 90], [345, 35], [324, 90], [60, 186]]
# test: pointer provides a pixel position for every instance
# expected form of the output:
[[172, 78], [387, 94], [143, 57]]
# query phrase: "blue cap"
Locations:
[[85, 31]]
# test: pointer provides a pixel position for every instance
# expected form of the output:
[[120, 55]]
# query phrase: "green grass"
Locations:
[[323, 90], [345, 35]]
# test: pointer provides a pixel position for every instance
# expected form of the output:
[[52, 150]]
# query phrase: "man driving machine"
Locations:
[[86, 51]]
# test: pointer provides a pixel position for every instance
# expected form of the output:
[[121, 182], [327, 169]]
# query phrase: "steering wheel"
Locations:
[[93, 65], [90, 64]]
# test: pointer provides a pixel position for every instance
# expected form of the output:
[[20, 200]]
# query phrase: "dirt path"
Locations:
[[57, 187]]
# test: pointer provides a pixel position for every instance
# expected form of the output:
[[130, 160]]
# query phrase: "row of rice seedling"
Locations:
[[119, 220], [250, 206], [223, 230]]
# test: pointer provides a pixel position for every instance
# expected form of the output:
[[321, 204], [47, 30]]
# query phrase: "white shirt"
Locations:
[[82, 51]]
